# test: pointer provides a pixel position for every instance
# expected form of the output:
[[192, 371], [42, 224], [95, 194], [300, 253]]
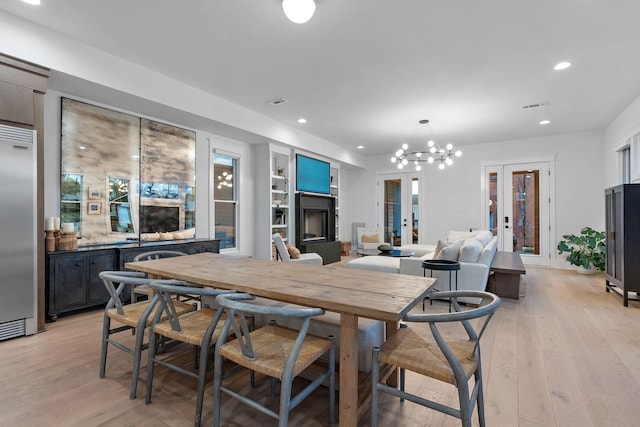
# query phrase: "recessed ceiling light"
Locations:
[[82, 147], [34, 2], [545, 122], [562, 65], [360, 147], [302, 120]]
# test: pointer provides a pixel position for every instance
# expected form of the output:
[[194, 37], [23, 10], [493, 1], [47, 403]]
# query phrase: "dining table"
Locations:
[[352, 293]]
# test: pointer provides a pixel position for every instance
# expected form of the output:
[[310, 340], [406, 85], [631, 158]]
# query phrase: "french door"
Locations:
[[398, 207], [518, 209]]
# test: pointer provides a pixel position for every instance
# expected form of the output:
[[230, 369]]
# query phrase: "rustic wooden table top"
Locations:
[[382, 296]]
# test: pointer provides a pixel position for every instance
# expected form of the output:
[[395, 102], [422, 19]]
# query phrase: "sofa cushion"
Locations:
[[470, 250], [484, 237], [454, 235], [371, 238], [449, 251], [486, 257], [383, 264]]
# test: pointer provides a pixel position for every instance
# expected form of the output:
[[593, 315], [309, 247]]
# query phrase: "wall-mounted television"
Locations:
[[312, 175], [159, 219]]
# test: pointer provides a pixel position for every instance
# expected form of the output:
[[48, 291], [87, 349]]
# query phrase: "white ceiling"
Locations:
[[364, 72]]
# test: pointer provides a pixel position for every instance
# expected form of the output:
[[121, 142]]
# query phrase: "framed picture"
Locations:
[[95, 193], [94, 208]]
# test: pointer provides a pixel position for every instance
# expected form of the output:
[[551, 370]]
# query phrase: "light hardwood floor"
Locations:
[[565, 354]]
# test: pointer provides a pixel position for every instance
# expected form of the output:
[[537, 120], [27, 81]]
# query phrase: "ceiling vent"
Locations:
[[277, 101], [541, 104]]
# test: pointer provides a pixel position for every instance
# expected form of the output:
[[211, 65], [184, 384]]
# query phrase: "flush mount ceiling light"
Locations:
[[299, 11], [545, 122], [34, 2], [434, 153], [302, 120], [562, 65]]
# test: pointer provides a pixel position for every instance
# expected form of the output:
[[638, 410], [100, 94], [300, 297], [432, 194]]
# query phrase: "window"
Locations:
[[71, 199], [225, 199], [119, 206]]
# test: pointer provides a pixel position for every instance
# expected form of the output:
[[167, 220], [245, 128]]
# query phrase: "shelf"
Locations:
[[278, 192], [278, 177], [279, 226], [280, 206]]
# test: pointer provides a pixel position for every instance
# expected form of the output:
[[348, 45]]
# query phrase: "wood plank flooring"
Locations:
[[566, 353]]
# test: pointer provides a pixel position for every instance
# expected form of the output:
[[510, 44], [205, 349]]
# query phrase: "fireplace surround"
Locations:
[[315, 226]]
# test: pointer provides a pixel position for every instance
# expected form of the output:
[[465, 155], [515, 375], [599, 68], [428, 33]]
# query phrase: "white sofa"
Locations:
[[475, 254]]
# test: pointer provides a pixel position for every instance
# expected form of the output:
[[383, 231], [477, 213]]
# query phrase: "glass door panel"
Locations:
[[400, 208], [517, 209]]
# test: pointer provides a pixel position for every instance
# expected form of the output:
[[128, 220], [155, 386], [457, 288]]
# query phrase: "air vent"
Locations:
[[541, 104], [12, 329], [277, 101]]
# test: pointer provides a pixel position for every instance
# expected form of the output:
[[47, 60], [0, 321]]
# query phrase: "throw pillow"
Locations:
[[450, 252], [454, 235], [371, 238], [470, 250], [294, 252]]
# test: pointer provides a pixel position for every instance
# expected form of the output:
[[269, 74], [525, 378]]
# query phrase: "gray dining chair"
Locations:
[[149, 255], [445, 357], [134, 316], [199, 328], [272, 350]]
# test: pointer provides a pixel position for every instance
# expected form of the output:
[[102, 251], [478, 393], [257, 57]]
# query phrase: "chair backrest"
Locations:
[[166, 289], [488, 306], [237, 310], [145, 256], [121, 278], [281, 247], [370, 234]]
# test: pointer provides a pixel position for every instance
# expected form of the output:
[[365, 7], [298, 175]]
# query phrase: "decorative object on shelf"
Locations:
[[298, 11], [50, 241], [434, 153], [587, 250], [280, 171]]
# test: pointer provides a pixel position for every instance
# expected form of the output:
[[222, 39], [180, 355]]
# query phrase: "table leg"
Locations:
[[392, 330], [348, 369]]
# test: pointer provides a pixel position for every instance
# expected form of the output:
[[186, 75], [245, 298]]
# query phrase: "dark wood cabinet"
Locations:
[[72, 281], [622, 204]]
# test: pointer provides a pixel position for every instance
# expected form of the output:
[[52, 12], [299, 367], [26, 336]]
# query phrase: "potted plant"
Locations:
[[586, 250]]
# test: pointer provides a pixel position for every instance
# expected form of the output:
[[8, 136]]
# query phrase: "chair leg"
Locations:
[[202, 378], [375, 377], [402, 378], [466, 406], [332, 382], [285, 398], [137, 355], [480, 399], [150, 365], [106, 325], [217, 384]]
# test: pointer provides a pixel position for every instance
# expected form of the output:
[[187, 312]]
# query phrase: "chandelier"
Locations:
[[433, 154]]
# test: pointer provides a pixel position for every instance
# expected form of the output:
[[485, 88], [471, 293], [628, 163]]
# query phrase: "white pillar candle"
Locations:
[[67, 227], [48, 223], [56, 223]]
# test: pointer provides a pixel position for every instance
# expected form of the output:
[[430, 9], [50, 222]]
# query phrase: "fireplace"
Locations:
[[315, 222], [315, 226]]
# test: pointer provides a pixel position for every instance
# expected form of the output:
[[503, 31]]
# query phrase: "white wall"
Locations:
[[623, 127], [453, 196]]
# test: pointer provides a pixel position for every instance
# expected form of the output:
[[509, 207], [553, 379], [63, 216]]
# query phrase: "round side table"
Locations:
[[441, 265]]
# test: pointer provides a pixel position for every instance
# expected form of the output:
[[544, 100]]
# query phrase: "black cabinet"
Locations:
[[622, 205], [72, 281]]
